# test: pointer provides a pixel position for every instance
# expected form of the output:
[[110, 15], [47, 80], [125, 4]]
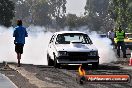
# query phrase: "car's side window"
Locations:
[[52, 38]]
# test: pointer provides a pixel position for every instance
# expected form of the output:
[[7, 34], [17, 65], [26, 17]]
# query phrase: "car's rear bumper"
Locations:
[[77, 60]]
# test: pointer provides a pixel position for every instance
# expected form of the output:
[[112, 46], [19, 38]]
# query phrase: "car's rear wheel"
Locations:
[[56, 65], [95, 65], [49, 60]]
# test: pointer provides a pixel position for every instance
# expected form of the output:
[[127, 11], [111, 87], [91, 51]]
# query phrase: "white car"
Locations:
[[71, 47]]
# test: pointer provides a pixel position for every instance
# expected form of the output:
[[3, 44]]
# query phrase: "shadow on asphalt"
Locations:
[[89, 67]]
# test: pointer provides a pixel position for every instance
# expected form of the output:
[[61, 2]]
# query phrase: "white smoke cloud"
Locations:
[[6, 45], [35, 49], [104, 47]]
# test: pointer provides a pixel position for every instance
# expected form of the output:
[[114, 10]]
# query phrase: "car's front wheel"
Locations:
[[56, 65], [50, 61]]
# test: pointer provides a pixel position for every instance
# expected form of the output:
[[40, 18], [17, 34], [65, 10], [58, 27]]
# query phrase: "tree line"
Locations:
[[99, 15]]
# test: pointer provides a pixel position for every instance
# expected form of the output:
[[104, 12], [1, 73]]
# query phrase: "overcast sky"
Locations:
[[76, 6]]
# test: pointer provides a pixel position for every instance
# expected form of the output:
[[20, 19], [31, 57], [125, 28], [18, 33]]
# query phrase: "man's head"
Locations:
[[120, 28], [19, 22], [112, 30]]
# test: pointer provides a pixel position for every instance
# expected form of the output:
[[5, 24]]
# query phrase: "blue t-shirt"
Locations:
[[20, 33]]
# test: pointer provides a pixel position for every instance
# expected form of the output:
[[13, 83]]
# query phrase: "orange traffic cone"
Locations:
[[130, 60]]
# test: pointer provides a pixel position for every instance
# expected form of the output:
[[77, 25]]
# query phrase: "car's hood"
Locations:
[[76, 47]]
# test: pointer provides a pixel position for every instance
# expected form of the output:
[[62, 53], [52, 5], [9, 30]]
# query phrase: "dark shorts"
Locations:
[[19, 48]]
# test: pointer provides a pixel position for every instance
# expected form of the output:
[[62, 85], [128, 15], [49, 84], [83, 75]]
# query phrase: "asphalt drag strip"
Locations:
[[65, 77], [33, 79]]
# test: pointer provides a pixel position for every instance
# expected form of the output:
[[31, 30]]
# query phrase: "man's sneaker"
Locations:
[[18, 65]]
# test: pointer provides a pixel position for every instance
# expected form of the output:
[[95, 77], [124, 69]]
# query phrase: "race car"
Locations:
[[71, 47], [128, 40]]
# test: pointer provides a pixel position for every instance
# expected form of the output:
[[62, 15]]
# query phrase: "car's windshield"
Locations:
[[67, 38]]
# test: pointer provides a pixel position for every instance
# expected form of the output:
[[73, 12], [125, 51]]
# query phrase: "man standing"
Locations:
[[19, 33], [120, 35], [111, 35]]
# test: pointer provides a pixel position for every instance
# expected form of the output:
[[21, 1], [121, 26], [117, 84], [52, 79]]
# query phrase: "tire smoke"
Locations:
[[105, 49], [35, 48]]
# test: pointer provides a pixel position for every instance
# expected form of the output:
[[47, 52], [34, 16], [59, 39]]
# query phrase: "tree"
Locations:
[[97, 13], [71, 20], [121, 12], [23, 11], [41, 13], [57, 10], [97, 7], [6, 12]]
